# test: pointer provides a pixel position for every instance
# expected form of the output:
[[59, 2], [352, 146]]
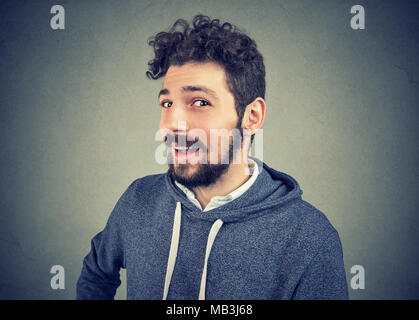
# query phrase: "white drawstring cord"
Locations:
[[173, 249], [213, 233]]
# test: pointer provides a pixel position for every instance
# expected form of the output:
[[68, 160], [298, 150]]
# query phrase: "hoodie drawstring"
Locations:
[[174, 247], [212, 234], [173, 250]]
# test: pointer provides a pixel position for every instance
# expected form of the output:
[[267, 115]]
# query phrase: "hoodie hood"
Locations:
[[271, 189]]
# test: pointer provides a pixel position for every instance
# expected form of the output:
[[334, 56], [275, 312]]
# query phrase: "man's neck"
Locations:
[[236, 175]]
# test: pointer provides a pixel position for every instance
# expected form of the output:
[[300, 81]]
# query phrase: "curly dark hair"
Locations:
[[208, 40]]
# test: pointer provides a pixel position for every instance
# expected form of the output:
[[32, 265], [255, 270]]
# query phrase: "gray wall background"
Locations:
[[78, 119]]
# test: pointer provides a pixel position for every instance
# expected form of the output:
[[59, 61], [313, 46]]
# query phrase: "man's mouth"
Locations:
[[178, 148], [184, 154], [184, 150]]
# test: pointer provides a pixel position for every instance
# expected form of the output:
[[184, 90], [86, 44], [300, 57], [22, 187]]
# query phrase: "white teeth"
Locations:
[[181, 148]]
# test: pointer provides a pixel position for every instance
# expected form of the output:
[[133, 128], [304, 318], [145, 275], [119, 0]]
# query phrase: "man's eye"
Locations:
[[200, 103], [166, 104]]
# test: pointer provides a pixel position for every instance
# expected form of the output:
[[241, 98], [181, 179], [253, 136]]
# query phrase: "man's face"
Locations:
[[195, 102]]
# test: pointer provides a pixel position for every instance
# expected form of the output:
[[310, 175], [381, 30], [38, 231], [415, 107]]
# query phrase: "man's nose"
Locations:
[[176, 119]]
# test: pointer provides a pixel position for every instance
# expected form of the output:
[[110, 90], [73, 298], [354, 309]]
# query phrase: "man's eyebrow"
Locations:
[[200, 88], [192, 89], [163, 92]]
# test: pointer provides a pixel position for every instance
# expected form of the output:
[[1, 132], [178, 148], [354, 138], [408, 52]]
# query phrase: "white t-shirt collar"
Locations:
[[218, 201]]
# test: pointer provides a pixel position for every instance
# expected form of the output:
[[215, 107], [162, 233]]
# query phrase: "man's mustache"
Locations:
[[183, 141]]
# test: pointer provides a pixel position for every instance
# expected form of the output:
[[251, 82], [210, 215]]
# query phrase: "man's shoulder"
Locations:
[[148, 181], [144, 188], [312, 216], [312, 224]]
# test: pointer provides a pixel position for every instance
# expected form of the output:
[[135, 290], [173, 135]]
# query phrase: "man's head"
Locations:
[[214, 79]]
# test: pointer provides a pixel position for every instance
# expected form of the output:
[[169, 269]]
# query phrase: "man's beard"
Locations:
[[206, 174]]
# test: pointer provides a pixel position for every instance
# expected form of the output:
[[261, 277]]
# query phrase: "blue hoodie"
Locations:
[[266, 244]]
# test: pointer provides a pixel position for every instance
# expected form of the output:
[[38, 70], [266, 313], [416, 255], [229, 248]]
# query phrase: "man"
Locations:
[[217, 225]]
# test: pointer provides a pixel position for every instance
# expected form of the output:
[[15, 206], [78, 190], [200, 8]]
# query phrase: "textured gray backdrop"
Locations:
[[78, 119]]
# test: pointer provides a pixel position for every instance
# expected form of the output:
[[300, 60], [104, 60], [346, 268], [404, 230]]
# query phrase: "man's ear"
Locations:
[[254, 115]]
